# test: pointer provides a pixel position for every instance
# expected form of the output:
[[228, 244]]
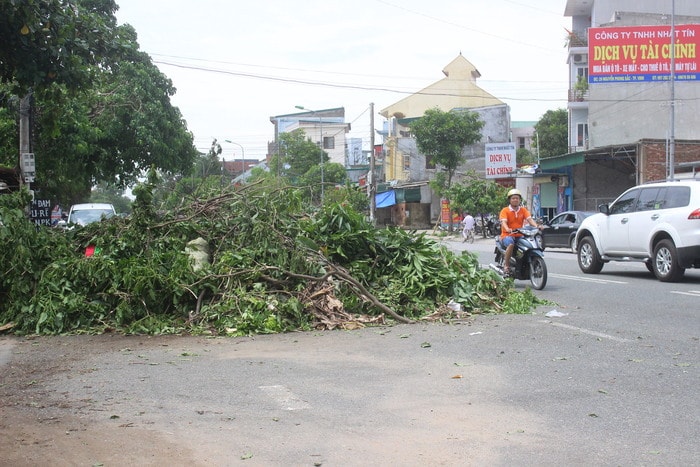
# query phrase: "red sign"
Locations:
[[642, 53], [445, 212]]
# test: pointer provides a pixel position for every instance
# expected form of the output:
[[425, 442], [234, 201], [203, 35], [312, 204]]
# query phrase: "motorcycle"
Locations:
[[527, 260], [494, 226], [487, 226]]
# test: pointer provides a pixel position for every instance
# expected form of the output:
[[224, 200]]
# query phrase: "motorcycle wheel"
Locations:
[[538, 272]]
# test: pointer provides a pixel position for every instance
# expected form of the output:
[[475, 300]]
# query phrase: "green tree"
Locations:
[[525, 156], [104, 193], [442, 136], [299, 164], [300, 154], [552, 132], [100, 118], [56, 41], [209, 164], [478, 196], [347, 195], [334, 174]]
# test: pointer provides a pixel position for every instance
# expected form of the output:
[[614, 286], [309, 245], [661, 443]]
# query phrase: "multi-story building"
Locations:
[[633, 97], [406, 170], [326, 127]]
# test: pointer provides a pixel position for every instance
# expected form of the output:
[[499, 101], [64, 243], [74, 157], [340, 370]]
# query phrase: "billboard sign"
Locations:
[[642, 53], [500, 160], [41, 212]]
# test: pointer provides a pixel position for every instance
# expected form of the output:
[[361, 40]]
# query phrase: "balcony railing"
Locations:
[[577, 95], [578, 39]]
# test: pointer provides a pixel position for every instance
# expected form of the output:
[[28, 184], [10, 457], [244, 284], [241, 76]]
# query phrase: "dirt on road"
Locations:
[[41, 427], [136, 400]]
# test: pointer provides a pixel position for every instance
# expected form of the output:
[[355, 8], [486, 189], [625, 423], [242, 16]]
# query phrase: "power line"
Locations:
[[338, 85]]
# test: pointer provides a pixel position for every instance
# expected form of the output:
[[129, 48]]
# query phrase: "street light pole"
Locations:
[[320, 126], [242, 153]]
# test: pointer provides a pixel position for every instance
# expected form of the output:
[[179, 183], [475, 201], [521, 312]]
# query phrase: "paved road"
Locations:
[[495, 390]]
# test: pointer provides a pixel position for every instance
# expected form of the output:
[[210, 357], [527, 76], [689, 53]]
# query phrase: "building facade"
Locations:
[[632, 96], [327, 128], [406, 170]]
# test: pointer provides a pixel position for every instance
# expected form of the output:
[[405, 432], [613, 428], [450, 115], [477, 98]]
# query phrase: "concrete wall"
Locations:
[[625, 113], [496, 130]]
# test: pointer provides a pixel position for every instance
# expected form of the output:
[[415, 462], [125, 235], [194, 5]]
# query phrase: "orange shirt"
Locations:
[[516, 218]]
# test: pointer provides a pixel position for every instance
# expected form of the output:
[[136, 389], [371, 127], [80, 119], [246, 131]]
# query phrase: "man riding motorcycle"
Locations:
[[512, 217]]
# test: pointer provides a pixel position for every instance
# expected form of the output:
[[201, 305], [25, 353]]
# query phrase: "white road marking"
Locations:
[[588, 331], [588, 279], [576, 278], [284, 397], [692, 293]]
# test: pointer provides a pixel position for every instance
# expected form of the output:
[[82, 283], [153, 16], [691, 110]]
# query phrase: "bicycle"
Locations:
[[469, 237]]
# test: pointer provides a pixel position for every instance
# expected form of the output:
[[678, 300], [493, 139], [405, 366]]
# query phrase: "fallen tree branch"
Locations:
[[336, 271]]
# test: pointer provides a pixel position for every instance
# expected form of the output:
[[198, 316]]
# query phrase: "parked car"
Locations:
[[657, 223], [560, 231], [86, 213]]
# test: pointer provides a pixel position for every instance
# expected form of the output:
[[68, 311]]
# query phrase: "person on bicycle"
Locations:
[[513, 216], [467, 226]]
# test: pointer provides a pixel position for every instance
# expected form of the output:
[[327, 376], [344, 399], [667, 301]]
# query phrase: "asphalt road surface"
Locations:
[[596, 386]]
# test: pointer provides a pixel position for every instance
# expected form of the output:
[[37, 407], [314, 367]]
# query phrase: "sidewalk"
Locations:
[[453, 236]]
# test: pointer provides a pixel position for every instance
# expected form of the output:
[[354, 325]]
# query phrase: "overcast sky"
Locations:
[[236, 63]]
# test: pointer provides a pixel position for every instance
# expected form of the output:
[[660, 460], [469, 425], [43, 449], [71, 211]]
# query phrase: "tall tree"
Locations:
[[299, 163], [552, 132], [300, 154], [102, 108], [56, 41], [442, 136], [478, 196]]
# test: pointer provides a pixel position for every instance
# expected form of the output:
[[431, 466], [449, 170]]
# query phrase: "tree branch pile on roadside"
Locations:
[[273, 266]]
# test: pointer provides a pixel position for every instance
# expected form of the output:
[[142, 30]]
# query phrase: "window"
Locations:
[[582, 73], [558, 220], [582, 135], [521, 142], [647, 199], [625, 203], [676, 197], [328, 142]]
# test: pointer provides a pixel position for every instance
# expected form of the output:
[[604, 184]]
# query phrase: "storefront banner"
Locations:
[[500, 160], [642, 53]]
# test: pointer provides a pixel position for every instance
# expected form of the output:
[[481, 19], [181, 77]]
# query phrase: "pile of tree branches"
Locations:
[[269, 266]]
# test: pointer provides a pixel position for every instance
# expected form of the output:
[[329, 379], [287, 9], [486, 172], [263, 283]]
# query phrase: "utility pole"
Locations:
[[372, 181], [672, 142], [26, 158]]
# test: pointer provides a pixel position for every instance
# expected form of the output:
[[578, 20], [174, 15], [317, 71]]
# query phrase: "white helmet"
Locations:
[[514, 192]]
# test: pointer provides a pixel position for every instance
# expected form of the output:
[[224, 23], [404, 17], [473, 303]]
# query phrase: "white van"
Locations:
[[84, 214]]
